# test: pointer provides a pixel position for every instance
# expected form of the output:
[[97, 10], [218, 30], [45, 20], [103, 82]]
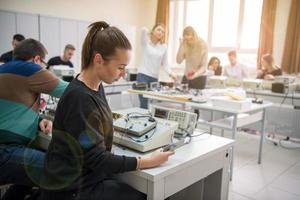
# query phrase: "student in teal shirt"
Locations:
[[21, 83]]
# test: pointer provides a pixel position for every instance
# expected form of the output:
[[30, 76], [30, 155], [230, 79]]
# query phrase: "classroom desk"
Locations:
[[198, 170], [232, 119], [202, 166], [291, 98], [236, 119]]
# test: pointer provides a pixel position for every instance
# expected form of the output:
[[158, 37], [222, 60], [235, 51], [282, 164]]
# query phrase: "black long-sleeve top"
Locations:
[[79, 153]]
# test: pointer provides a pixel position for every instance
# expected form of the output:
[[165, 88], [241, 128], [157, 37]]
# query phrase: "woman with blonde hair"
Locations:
[[154, 56], [269, 69], [194, 51]]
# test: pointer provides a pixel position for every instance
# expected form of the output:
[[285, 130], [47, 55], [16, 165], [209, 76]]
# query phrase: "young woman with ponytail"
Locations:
[[79, 163]]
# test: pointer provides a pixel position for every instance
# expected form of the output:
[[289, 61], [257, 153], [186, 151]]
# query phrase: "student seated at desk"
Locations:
[[79, 162], [268, 70], [8, 56], [214, 66], [65, 59], [235, 69], [22, 81]]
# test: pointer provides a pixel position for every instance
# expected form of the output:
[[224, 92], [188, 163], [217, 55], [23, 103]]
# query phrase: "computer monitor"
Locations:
[[197, 83]]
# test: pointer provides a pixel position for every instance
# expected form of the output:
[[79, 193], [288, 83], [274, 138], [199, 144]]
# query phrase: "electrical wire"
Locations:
[[292, 148], [286, 94], [126, 127], [146, 138]]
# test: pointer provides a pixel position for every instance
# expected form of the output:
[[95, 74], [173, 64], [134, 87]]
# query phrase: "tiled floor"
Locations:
[[277, 178]]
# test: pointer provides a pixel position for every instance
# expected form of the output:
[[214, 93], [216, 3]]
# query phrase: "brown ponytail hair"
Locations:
[[103, 39]]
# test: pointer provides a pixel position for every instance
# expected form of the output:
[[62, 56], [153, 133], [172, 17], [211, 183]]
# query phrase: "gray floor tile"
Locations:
[[236, 196], [278, 177], [287, 184], [272, 193]]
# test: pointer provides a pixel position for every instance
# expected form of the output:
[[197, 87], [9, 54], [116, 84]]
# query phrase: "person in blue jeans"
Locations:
[[154, 56], [22, 80]]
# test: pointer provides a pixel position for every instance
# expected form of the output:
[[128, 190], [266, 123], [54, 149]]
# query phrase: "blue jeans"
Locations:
[[21, 166], [143, 78]]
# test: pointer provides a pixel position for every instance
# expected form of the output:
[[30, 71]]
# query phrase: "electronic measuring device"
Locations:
[[186, 120], [254, 84], [217, 81], [63, 70], [137, 129]]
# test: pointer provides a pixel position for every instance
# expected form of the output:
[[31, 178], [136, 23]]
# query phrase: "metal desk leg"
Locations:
[[262, 134], [222, 130], [234, 129], [211, 119]]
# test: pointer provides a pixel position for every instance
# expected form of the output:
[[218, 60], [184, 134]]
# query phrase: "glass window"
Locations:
[[176, 27], [251, 24], [225, 23], [197, 16]]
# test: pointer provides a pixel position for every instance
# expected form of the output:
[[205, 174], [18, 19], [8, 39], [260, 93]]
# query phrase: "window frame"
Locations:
[[174, 45]]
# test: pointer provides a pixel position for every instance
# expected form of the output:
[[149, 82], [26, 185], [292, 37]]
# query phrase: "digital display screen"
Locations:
[[161, 113]]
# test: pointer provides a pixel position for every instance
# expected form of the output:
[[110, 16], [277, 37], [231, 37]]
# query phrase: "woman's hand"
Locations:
[[174, 76], [46, 126], [269, 77], [197, 73], [190, 74], [155, 159]]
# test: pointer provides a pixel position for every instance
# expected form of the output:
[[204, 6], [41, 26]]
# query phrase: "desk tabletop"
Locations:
[[199, 148], [181, 98], [119, 83], [295, 95], [209, 106]]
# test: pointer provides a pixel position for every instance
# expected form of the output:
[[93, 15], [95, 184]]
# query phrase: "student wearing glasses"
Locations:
[[22, 80], [79, 163]]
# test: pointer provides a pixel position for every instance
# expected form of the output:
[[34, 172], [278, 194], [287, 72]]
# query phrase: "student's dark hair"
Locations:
[[212, 59], [28, 49], [103, 39], [18, 37]]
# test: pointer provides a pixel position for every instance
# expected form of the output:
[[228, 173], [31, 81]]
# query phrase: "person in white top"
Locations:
[[235, 69], [154, 56]]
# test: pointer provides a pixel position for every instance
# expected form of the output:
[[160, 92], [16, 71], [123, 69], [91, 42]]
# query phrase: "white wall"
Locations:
[[128, 12], [282, 16], [121, 12]]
